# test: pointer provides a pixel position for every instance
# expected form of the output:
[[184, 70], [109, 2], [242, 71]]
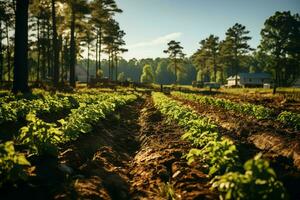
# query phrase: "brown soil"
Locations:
[[133, 154], [159, 166], [278, 144], [281, 140], [137, 156], [100, 161]]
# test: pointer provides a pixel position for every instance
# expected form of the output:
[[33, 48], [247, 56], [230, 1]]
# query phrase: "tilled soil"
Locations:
[[100, 162], [264, 134], [137, 156], [158, 166], [279, 144], [133, 154]]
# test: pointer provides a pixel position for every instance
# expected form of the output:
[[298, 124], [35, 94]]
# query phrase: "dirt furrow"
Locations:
[[251, 136], [280, 141], [158, 171], [133, 154], [98, 164]]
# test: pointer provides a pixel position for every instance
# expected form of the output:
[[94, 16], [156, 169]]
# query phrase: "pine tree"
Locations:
[[21, 47], [78, 9], [176, 56], [236, 44], [280, 39], [212, 46], [207, 57], [55, 46], [102, 13]]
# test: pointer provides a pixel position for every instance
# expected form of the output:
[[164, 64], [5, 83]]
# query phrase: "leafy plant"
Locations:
[[219, 156], [41, 137], [258, 182], [12, 164], [258, 111], [292, 119]]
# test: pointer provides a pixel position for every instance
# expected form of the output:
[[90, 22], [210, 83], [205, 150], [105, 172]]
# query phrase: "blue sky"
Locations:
[[150, 24]]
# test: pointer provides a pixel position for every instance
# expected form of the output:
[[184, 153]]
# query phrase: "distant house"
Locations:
[[250, 80]]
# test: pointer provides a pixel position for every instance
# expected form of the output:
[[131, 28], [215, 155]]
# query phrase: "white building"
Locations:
[[250, 79]]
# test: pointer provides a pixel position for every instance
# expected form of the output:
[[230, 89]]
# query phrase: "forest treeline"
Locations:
[[43, 41], [278, 54], [132, 70]]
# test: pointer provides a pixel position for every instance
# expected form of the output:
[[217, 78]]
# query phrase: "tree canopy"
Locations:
[[176, 57], [281, 41]]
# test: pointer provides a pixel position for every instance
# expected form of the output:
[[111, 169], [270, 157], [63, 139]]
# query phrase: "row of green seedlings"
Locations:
[[18, 109], [258, 111], [10, 159], [7, 96], [43, 139], [14, 110], [219, 158]]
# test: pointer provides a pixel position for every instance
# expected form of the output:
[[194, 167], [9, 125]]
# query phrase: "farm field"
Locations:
[[283, 101], [149, 100], [142, 144]]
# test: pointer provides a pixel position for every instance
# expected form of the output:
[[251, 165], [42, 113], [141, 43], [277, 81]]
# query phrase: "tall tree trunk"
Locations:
[[20, 83], [112, 65], [175, 71], [1, 55], [116, 59], [96, 68], [8, 52], [215, 69], [109, 65], [38, 50], [88, 65], [61, 48], [276, 75], [100, 47], [55, 47], [66, 58], [62, 63], [236, 71], [43, 46], [72, 49], [49, 53], [236, 62]]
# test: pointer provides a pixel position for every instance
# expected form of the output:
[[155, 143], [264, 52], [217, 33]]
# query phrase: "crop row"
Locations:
[[258, 111], [219, 156], [7, 96], [14, 110], [42, 138]]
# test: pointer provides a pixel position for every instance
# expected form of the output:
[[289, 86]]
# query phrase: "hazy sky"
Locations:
[[150, 24]]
